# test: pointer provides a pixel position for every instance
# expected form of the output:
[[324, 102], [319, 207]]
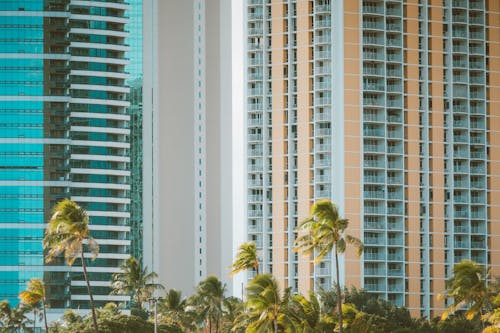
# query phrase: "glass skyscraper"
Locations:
[[64, 134]]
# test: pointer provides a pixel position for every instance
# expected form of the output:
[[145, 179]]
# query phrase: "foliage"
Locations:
[[246, 258], [209, 302], [13, 319], [67, 232], [135, 281], [173, 311], [468, 288], [33, 296], [266, 306], [323, 232]]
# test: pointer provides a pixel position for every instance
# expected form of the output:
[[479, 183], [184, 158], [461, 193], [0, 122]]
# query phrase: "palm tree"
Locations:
[[323, 231], [308, 315], [33, 295], [13, 319], [173, 311], [467, 287], [135, 281], [246, 258], [266, 305], [209, 300], [66, 233]]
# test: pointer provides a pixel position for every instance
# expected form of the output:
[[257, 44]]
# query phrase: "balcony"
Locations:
[[325, 85], [322, 8], [374, 287], [254, 228], [393, 27], [374, 195], [374, 241], [476, 65], [395, 272], [255, 168], [323, 163], [252, 122], [369, 40], [477, 214], [258, 15], [461, 244], [393, 11], [326, 147], [395, 257], [320, 101], [378, 71], [256, 31], [322, 179], [322, 69], [373, 164], [325, 54], [373, 148], [395, 149], [373, 132], [255, 92], [374, 271], [373, 25], [323, 116], [394, 103], [373, 87], [374, 210], [373, 9], [324, 271], [461, 213], [255, 137], [372, 101], [460, 3], [394, 72], [374, 179], [459, 33], [322, 194], [368, 225], [256, 76], [255, 152], [372, 256], [396, 42], [459, 18], [323, 39], [394, 210], [254, 182], [395, 180], [255, 213], [255, 61], [322, 23], [322, 132]]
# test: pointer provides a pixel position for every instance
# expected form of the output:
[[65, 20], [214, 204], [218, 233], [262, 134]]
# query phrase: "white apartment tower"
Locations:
[[187, 147]]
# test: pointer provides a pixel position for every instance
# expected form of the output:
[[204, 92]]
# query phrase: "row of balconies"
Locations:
[[472, 4]]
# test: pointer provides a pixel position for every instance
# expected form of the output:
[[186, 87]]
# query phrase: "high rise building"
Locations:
[[64, 134], [187, 147], [390, 109]]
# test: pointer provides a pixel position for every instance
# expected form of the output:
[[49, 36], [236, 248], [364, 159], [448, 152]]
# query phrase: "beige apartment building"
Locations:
[[391, 109]]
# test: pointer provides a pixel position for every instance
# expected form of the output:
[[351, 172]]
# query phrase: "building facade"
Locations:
[[187, 164], [65, 134], [388, 108]]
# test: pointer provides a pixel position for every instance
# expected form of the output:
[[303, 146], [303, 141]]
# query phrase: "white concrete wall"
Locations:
[[170, 220]]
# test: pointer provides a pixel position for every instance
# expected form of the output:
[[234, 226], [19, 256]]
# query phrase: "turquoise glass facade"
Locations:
[[64, 133]]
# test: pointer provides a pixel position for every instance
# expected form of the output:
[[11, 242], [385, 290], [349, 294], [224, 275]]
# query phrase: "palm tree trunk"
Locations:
[[275, 322], [339, 293], [45, 316], [92, 306], [34, 320]]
